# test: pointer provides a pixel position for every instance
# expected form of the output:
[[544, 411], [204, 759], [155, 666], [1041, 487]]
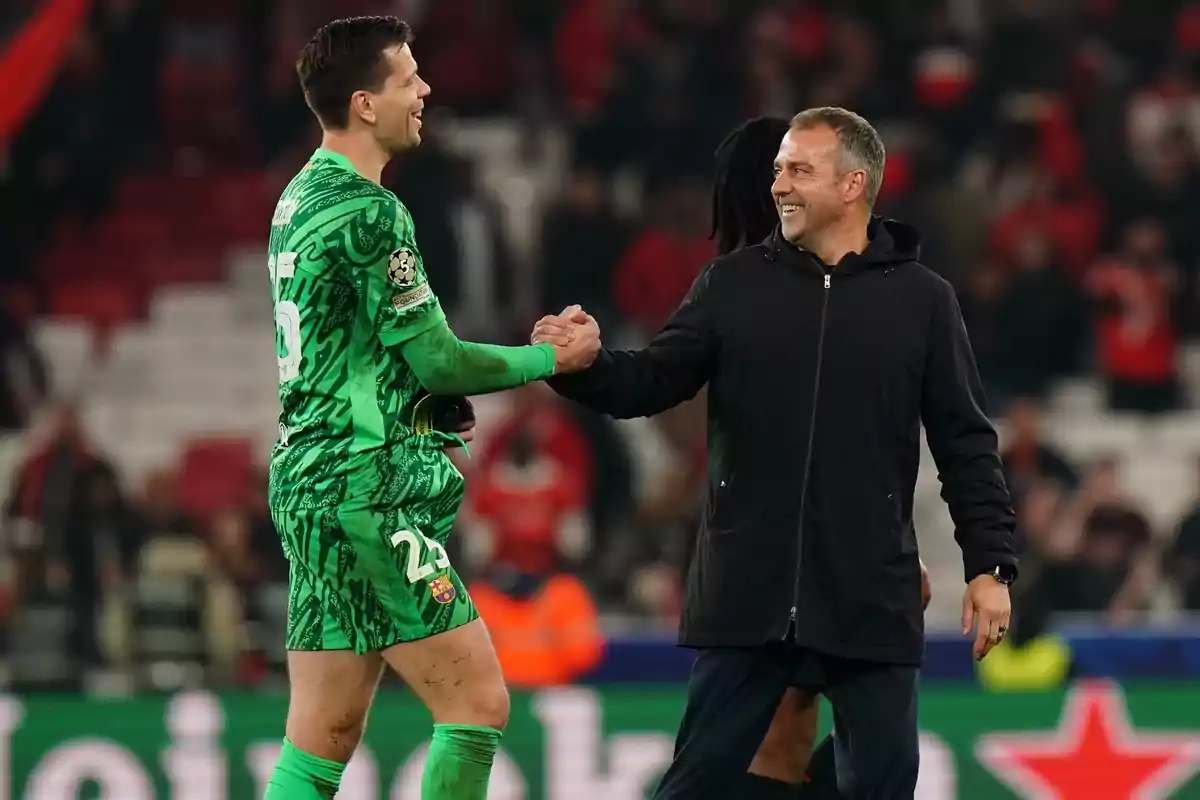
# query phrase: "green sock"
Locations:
[[459, 763], [299, 776]]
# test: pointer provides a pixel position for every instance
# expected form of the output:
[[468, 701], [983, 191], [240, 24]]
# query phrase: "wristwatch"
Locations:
[[1005, 573]]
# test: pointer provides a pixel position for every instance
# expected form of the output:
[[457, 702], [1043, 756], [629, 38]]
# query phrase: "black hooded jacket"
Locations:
[[819, 381]]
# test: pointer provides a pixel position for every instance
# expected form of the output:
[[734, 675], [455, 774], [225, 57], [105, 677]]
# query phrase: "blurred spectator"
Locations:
[[469, 54], [424, 179], [674, 96], [1026, 28], [591, 36], [178, 599], [1040, 522], [64, 160], [1030, 460], [171, 613], [581, 241], [1066, 213], [610, 511], [132, 36], [70, 530], [980, 301], [535, 476], [542, 619], [660, 265], [24, 384], [246, 547], [655, 560], [770, 81], [462, 238], [1113, 567], [1002, 168], [945, 73], [1181, 562], [668, 517], [1167, 188], [160, 512], [1040, 314], [1135, 330], [1171, 99]]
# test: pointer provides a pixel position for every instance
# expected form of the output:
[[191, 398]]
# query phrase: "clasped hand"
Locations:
[[575, 335]]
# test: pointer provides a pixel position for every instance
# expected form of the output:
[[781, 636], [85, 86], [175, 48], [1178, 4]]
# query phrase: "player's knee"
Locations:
[[490, 706], [347, 729], [334, 738]]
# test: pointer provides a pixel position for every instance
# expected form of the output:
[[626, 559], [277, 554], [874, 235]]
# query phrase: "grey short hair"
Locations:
[[861, 147]]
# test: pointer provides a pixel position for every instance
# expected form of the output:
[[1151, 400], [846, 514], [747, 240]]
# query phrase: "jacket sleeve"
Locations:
[[641, 383], [964, 443]]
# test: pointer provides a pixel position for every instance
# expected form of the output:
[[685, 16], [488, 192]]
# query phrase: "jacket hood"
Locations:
[[890, 242]]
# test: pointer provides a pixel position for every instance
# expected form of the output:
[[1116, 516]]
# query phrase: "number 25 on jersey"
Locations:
[[287, 315]]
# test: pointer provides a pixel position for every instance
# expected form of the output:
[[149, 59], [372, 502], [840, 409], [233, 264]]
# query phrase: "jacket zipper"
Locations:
[[812, 429]]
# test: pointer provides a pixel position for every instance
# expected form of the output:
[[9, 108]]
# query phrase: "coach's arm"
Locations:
[[673, 368], [964, 443]]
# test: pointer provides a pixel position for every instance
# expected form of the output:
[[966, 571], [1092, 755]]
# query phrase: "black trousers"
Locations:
[[733, 693]]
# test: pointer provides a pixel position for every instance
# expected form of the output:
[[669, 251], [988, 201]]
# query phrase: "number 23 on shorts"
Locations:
[[418, 543]]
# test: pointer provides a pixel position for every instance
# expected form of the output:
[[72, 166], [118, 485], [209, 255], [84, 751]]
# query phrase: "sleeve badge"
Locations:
[[402, 268]]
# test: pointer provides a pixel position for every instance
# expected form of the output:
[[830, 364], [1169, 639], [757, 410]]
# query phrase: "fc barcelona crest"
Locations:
[[442, 589]]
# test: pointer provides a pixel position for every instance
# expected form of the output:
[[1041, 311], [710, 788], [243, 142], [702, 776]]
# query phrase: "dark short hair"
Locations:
[[861, 147], [344, 57]]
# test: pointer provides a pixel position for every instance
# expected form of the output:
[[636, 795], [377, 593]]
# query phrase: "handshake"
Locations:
[[575, 336]]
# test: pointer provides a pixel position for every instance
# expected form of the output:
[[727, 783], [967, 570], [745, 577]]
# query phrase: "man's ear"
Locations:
[[362, 104], [855, 185]]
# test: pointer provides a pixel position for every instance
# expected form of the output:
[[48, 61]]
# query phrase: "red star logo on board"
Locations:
[[1095, 754]]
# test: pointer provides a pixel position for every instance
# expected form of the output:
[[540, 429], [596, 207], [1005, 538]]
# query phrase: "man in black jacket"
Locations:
[[824, 348]]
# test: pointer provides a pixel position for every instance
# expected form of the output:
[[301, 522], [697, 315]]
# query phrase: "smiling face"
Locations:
[[812, 187], [359, 74], [394, 111]]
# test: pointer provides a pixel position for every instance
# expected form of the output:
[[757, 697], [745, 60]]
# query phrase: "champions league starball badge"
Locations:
[[402, 268]]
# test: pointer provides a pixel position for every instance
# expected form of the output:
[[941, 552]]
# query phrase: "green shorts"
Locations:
[[366, 579]]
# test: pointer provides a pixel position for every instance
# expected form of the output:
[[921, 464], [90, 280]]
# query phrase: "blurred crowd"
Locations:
[[1047, 149]]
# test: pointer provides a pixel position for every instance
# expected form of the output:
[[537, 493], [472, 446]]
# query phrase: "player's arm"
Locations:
[[378, 242], [447, 365], [673, 368], [964, 444]]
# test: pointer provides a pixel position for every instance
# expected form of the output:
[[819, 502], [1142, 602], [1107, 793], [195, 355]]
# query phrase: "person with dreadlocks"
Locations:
[[743, 213], [826, 347]]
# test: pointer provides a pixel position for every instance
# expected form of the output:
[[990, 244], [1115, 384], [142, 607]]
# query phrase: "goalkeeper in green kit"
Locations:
[[361, 489]]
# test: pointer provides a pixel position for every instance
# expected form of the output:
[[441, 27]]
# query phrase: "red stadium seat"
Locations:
[[163, 194], [193, 266], [236, 188], [127, 233], [105, 304], [214, 474], [181, 264], [229, 208]]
